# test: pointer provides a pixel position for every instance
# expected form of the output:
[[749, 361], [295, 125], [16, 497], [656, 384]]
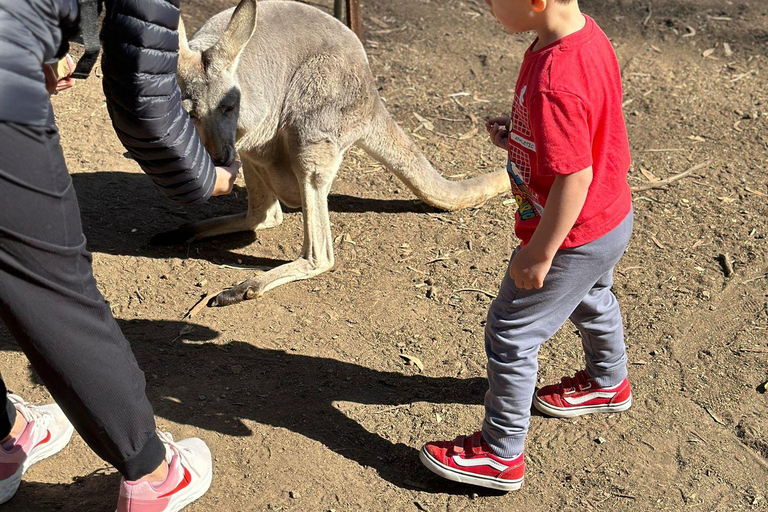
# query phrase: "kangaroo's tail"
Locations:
[[388, 144]]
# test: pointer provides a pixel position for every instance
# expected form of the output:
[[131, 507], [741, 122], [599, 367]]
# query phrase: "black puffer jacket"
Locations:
[[139, 60]]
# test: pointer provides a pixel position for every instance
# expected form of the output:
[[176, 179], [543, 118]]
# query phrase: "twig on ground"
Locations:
[[476, 290], [200, 304], [712, 415], [671, 179], [764, 276]]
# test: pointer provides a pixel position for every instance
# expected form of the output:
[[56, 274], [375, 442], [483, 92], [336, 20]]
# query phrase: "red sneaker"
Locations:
[[468, 459], [580, 395]]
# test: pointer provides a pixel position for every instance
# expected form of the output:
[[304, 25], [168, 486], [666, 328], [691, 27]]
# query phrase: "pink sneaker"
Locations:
[[189, 476], [581, 395], [468, 459], [47, 433]]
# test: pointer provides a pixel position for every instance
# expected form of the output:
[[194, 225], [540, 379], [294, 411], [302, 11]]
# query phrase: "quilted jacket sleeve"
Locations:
[[140, 53]]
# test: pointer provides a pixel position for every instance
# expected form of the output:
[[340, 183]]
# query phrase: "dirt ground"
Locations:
[[304, 396]]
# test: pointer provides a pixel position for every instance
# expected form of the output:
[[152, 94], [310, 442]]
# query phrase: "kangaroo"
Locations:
[[288, 89]]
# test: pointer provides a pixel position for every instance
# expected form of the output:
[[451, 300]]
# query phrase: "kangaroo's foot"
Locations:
[[260, 284]]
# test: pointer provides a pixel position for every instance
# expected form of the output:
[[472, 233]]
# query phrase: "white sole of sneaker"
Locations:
[[190, 494], [10, 486], [457, 476], [573, 412]]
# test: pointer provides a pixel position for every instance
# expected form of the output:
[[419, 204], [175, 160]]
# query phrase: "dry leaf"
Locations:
[[413, 361], [469, 134], [186, 329], [649, 175], [378, 22], [658, 244], [727, 199], [708, 53], [727, 49], [425, 122]]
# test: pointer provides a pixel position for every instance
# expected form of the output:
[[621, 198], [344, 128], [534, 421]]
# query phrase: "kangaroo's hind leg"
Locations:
[[263, 212], [315, 167]]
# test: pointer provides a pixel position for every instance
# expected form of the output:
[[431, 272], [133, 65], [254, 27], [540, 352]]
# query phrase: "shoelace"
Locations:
[[167, 439], [30, 412]]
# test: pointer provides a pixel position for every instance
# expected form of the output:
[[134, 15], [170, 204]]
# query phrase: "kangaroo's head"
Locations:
[[208, 81]]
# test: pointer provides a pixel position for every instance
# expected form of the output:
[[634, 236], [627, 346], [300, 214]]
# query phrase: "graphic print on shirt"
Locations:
[[519, 163]]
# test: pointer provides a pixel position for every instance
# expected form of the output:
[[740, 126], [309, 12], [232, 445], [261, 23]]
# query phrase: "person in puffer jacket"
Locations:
[[48, 296]]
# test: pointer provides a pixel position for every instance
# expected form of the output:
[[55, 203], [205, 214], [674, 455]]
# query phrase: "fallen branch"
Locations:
[[489, 294], [672, 179]]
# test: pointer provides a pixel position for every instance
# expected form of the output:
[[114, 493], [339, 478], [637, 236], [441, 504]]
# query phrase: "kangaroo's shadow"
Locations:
[[213, 386], [121, 211]]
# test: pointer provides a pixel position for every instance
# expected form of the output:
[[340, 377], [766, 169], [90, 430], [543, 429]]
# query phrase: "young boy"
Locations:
[[568, 162]]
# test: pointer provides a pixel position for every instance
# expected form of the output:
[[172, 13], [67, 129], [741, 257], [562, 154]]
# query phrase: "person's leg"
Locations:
[[50, 303], [520, 321], [599, 321], [7, 415]]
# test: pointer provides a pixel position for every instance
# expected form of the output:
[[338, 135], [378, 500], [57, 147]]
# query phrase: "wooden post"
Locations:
[[338, 9], [355, 17]]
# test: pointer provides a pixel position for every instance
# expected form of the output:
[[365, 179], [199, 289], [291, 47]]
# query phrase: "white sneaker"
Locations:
[[190, 470], [47, 433]]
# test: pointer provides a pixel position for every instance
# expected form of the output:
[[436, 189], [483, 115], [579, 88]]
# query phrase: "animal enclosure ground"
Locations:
[[306, 396]]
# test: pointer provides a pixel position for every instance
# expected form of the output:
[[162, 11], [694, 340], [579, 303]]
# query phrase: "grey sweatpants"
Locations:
[[578, 286]]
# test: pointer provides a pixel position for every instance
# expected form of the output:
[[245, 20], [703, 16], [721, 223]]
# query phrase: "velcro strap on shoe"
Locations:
[[477, 444], [458, 445]]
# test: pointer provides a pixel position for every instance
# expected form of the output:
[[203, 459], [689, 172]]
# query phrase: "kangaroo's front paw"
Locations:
[[235, 295], [182, 235]]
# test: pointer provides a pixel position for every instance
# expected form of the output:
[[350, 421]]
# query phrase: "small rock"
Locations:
[[432, 292], [294, 495], [201, 397], [236, 369], [600, 440]]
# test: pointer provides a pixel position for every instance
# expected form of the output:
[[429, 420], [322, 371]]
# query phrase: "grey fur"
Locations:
[[290, 88]]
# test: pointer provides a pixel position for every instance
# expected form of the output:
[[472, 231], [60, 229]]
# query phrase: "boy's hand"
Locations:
[[498, 129], [529, 267], [225, 179]]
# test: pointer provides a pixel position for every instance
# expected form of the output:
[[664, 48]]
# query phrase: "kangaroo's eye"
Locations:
[[227, 109]]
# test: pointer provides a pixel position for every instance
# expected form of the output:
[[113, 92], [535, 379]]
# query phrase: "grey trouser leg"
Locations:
[[520, 321]]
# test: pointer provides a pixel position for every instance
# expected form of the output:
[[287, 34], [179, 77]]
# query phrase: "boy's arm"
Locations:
[[564, 203]]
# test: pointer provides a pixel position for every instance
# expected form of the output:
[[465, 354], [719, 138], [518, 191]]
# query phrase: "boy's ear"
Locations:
[[539, 5]]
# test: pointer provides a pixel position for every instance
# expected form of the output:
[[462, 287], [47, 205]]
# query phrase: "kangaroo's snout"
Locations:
[[225, 158]]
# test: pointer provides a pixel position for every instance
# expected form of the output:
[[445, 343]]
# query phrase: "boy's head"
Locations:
[[525, 15]]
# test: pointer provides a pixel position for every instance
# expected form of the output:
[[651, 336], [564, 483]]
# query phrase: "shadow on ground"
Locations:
[[195, 381], [121, 211]]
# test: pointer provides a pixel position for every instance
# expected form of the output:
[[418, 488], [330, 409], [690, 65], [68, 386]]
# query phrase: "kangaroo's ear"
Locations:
[[241, 28], [188, 59]]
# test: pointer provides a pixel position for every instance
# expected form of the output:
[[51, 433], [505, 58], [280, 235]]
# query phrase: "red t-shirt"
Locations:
[[568, 116]]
